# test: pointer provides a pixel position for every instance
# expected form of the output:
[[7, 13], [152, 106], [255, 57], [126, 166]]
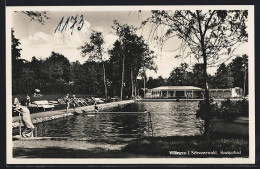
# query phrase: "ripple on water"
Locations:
[[168, 119]]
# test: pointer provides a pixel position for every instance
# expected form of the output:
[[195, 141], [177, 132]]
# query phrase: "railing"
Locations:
[[150, 124]]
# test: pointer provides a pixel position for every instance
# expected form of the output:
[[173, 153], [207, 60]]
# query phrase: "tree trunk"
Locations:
[[105, 84], [206, 95], [123, 72], [132, 83], [144, 84], [207, 104], [205, 75]]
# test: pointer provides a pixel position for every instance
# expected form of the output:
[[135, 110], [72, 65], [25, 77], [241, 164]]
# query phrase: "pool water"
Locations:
[[168, 119]]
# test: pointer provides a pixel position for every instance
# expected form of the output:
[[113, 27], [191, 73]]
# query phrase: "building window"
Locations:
[[179, 93]]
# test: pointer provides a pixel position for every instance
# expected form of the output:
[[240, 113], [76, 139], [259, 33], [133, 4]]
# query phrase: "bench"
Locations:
[[44, 104]]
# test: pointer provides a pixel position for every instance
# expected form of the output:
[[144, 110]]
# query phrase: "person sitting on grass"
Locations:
[[26, 119]]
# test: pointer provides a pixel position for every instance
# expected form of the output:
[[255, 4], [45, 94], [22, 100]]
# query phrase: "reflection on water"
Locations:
[[168, 119]]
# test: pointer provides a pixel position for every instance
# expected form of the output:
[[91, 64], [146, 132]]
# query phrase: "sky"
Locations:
[[40, 40]]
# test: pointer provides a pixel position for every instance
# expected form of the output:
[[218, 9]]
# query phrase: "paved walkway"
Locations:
[[169, 100], [86, 108], [44, 114]]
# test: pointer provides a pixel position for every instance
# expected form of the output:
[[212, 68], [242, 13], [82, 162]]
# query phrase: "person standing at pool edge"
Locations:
[[67, 101], [28, 100], [74, 99], [95, 107], [26, 119]]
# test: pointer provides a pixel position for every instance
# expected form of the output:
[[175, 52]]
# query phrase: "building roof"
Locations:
[[177, 88]]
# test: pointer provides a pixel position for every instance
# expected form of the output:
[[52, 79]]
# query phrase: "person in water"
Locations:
[[95, 107], [26, 119]]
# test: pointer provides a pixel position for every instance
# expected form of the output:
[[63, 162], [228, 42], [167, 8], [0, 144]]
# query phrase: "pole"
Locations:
[[150, 122]]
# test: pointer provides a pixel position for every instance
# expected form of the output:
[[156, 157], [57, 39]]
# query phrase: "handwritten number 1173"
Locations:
[[62, 27]]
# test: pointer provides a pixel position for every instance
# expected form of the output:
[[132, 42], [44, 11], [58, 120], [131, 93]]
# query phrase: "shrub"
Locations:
[[203, 113], [243, 107], [227, 110]]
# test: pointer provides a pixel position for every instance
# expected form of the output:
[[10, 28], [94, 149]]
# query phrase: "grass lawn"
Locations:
[[190, 146], [147, 147]]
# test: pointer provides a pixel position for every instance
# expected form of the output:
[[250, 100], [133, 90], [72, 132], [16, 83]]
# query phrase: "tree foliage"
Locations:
[[239, 71], [39, 16], [94, 50], [215, 32], [130, 55], [15, 47], [223, 78], [205, 35], [179, 76]]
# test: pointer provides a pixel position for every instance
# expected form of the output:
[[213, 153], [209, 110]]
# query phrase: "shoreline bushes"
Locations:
[[227, 109]]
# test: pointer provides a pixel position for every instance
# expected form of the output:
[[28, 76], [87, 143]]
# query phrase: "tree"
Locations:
[[95, 51], [179, 76], [77, 78], [15, 47], [17, 64], [239, 72], [223, 78], [197, 75], [56, 73], [35, 66], [155, 82], [206, 35], [124, 32], [133, 53], [38, 16]]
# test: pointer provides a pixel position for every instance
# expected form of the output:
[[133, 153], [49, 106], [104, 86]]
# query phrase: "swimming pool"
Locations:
[[168, 119]]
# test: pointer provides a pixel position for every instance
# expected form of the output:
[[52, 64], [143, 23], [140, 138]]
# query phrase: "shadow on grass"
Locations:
[[151, 147], [58, 152], [191, 146]]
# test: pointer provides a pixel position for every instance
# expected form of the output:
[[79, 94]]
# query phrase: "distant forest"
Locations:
[[119, 74]]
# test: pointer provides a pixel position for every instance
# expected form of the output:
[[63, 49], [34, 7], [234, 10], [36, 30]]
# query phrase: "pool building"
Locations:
[[191, 92]]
